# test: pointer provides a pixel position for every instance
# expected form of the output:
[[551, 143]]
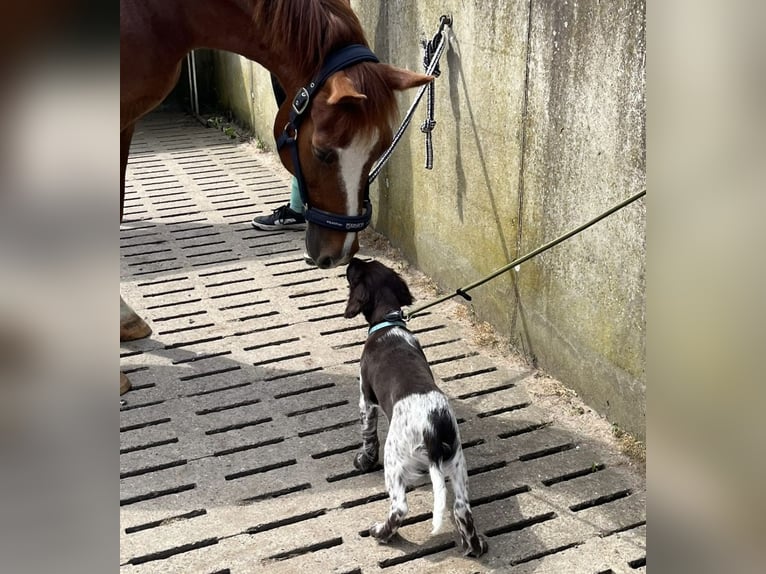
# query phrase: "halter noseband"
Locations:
[[336, 61]]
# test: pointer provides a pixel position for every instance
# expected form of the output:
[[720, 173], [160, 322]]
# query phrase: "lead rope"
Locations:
[[463, 291], [445, 23], [429, 123]]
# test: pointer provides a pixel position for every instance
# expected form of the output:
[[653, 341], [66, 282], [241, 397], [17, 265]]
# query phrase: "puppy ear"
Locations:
[[402, 292], [358, 297]]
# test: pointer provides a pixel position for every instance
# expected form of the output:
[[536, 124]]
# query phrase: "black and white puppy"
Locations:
[[395, 378]]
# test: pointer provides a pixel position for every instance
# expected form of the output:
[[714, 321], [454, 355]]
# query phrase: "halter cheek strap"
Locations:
[[336, 61]]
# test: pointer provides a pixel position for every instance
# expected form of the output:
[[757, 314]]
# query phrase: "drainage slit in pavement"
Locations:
[[255, 316], [474, 374], [196, 358], [222, 271], [283, 262], [352, 473], [165, 521], [328, 428], [334, 451], [217, 390], [547, 451], [487, 467], [364, 500], [163, 281], [472, 443], [607, 571], [307, 549], [206, 253], [190, 229], [322, 407], [608, 533], [544, 553], [215, 262], [141, 405], [295, 374], [439, 343], [221, 408], [179, 316], [326, 317], [428, 329], [271, 344], [135, 369], [209, 373], [198, 235], [502, 410], [452, 358], [349, 345], [174, 304], [235, 293], [145, 424], [128, 236], [153, 271], [500, 495], [573, 475], [524, 430], [260, 469], [151, 262], [343, 330], [601, 500], [412, 519], [482, 392], [154, 468], [186, 329], [157, 494], [185, 221], [323, 304], [310, 293], [148, 252], [238, 426], [229, 282], [182, 214], [520, 524], [286, 521], [142, 244], [305, 269], [173, 551], [302, 282], [281, 359], [124, 354], [208, 244], [275, 493], [243, 305], [247, 447], [638, 563], [420, 553], [148, 445]]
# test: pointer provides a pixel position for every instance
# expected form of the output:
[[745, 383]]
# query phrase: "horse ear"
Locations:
[[402, 79], [342, 90]]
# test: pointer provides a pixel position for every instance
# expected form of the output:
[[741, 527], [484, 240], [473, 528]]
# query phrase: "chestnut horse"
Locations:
[[345, 128]]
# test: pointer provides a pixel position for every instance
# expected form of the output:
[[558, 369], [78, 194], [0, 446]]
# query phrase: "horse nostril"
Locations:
[[324, 262]]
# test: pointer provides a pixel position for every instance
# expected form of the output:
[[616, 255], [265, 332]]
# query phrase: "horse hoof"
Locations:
[[133, 328], [124, 383]]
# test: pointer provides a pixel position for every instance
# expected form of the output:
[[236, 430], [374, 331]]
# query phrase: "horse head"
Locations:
[[346, 128]]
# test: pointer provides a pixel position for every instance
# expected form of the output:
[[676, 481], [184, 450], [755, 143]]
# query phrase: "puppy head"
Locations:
[[371, 284]]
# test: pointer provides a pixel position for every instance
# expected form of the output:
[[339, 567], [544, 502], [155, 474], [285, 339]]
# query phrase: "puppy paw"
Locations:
[[377, 531], [476, 547], [364, 462]]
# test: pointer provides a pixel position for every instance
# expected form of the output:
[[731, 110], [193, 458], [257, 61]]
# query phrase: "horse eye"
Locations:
[[324, 155]]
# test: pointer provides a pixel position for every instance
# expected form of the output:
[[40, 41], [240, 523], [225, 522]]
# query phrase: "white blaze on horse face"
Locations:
[[352, 160]]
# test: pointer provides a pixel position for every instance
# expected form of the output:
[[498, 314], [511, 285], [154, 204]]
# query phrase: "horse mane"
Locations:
[[311, 29], [314, 28]]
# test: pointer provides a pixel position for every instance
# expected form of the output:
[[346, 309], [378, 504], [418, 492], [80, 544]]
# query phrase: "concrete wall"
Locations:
[[540, 126]]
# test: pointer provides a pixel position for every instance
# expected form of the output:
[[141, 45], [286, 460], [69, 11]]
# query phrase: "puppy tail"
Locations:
[[440, 496]]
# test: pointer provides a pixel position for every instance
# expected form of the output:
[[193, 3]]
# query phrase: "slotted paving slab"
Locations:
[[238, 436]]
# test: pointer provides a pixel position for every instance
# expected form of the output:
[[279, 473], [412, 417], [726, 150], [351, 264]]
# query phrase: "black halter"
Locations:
[[338, 60]]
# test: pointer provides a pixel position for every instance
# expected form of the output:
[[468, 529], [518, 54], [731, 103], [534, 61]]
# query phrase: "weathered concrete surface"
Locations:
[[540, 126], [237, 440]]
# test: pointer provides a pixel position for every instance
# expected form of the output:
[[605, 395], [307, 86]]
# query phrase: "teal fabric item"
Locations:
[[295, 197], [386, 324]]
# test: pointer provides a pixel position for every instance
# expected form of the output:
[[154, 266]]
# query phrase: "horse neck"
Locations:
[[232, 25]]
